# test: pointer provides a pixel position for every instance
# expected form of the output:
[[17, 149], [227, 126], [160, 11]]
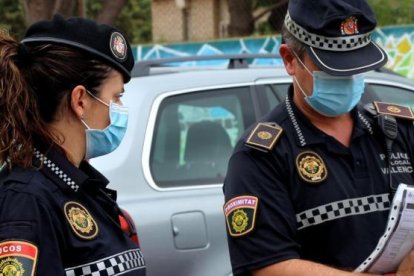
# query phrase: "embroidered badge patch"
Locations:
[[17, 258], [264, 136], [118, 46], [396, 110], [80, 220], [349, 26], [240, 215], [311, 167]]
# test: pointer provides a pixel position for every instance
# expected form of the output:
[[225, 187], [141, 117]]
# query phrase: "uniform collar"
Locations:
[[307, 134], [58, 167]]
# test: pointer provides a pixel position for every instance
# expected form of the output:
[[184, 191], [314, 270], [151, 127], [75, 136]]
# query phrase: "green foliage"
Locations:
[[393, 12], [12, 17], [134, 19]]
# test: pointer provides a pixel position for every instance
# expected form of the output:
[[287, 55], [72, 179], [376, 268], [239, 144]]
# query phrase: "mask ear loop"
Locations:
[[301, 62], [294, 77], [96, 98]]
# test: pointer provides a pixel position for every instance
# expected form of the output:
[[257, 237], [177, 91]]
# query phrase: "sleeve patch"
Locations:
[[17, 258], [240, 215], [264, 136], [396, 110]]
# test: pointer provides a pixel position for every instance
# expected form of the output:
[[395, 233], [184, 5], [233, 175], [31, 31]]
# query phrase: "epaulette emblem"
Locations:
[[264, 136], [400, 111]]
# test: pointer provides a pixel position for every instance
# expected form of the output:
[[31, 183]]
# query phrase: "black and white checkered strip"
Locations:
[[54, 168], [295, 123], [114, 265], [366, 123], [326, 43], [343, 208]]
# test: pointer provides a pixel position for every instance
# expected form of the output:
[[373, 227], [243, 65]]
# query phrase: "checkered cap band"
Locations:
[[114, 265], [343, 208], [58, 171], [339, 44]]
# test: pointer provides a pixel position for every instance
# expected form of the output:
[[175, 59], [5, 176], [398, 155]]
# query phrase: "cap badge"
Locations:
[[311, 167], [80, 220], [349, 26], [118, 46], [240, 214]]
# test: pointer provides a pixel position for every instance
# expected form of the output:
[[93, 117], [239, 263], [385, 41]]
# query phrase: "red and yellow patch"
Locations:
[[17, 258], [240, 214], [350, 26]]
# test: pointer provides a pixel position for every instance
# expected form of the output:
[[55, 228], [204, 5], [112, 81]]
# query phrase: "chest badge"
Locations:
[[80, 220], [311, 167]]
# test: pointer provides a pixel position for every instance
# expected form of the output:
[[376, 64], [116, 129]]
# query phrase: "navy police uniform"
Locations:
[[294, 192], [61, 220]]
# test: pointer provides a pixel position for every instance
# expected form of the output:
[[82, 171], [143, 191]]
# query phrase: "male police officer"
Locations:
[[307, 190]]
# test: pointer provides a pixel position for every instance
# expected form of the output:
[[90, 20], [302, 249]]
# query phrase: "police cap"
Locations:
[[103, 42], [336, 34]]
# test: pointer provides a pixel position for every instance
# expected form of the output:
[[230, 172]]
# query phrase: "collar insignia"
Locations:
[[80, 220], [396, 110], [118, 46], [311, 167], [264, 136], [17, 258], [349, 26], [240, 215]]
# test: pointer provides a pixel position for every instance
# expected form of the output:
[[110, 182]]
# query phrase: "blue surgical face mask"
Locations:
[[333, 95], [103, 141]]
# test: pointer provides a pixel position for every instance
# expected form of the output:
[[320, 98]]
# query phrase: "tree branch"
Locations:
[[269, 9], [110, 11]]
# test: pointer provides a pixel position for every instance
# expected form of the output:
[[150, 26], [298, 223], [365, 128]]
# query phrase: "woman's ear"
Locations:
[[288, 58], [79, 100]]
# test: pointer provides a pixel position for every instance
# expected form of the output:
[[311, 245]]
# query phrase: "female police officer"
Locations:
[[60, 104]]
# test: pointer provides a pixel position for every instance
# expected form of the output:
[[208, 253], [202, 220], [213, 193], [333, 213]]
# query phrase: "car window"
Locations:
[[195, 134], [275, 93], [392, 94]]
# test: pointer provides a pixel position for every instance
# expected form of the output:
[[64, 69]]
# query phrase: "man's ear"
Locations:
[[288, 58], [79, 100]]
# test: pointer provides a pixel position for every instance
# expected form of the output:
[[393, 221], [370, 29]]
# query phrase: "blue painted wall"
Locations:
[[398, 41]]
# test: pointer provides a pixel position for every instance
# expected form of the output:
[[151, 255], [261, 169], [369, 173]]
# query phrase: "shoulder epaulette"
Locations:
[[264, 136], [399, 111]]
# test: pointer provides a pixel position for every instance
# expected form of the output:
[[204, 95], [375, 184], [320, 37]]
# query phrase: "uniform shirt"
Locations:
[[61, 220], [310, 197]]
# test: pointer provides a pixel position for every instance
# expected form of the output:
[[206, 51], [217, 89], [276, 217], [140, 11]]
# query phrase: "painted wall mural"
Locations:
[[398, 41], [399, 44]]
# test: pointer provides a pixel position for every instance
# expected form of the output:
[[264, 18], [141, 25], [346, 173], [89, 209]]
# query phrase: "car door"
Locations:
[[187, 146]]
